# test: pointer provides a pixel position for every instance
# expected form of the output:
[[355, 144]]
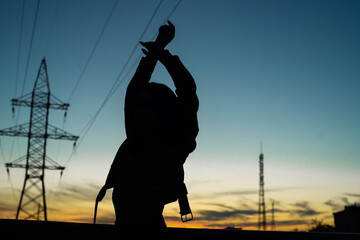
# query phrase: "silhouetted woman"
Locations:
[[161, 128]]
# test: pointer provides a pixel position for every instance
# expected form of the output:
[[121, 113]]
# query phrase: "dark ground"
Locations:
[[82, 230]]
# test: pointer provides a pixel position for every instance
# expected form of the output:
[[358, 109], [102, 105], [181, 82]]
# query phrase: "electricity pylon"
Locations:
[[32, 200]]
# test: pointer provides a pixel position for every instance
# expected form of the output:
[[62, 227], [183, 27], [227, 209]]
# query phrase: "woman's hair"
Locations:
[[164, 108], [165, 105]]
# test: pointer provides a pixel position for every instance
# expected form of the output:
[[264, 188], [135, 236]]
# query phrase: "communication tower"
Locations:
[[262, 212]]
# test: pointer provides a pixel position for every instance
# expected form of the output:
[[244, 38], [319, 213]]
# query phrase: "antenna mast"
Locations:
[[262, 212]]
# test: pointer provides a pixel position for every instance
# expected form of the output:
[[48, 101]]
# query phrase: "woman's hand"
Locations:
[[166, 35]]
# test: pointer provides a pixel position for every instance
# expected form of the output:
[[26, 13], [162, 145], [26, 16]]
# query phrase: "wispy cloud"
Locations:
[[304, 209], [229, 212], [334, 205], [85, 192], [225, 206], [353, 195], [226, 214], [284, 223], [256, 191], [5, 207], [345, 200], [244, 192], [338, 203]]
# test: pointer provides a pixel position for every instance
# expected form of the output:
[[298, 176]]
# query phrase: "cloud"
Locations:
[[256, 191], [243, 192], [219, 205], [284, 223], [353, 195], [226, 214], [195, 196], [173, 218], [103, 219], [338, 203], [345, 200], [292, 222], [85, 192], [5, 207], [335, 206], [304, 209]]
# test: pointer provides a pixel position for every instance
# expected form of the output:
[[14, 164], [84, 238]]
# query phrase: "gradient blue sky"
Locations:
[[286, 73]]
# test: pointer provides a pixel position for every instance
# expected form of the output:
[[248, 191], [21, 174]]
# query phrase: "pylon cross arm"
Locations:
[[56, 103], [57, 133], [22, 130], [30, 166], [16, 131], [26, 101]]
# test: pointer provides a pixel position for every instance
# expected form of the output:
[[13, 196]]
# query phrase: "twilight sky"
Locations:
[[286, 73]]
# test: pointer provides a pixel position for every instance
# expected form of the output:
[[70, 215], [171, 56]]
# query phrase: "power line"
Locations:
[[54, 16], [19, 47], [168, 17], [118, 82], [15, 90], [30, 48], [173, 10], [8, 172], [113, 87], [27, 63], [93, 50], [112, 90]]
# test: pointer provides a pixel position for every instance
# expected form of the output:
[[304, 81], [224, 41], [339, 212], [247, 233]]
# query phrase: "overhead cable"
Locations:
[[93, 50], [19, 47], [111, 91], [30, 48], [27, 64], [118, 82]]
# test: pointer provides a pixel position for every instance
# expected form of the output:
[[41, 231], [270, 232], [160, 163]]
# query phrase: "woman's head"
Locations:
[[154, 110]]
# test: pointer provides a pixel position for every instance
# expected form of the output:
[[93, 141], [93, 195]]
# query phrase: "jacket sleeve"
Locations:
[[140, 79], [114, 169], [142, 75], [186, 92]]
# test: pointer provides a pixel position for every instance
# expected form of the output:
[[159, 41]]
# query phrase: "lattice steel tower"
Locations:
[[262, 212], [32, 200]]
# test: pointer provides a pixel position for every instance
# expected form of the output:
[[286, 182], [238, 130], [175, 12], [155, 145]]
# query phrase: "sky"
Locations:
[[284, 73]]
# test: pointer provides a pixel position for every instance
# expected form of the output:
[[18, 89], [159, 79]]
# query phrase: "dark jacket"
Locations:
[[151, 164]]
